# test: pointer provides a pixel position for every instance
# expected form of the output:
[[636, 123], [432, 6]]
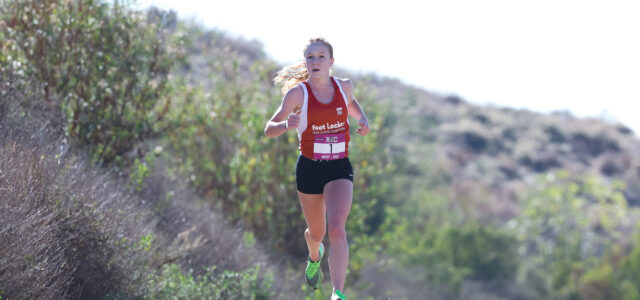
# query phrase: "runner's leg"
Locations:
[[314, 214], [337, 197]]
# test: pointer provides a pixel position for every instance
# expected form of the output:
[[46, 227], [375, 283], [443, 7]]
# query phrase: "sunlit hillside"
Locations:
[[133, 165]]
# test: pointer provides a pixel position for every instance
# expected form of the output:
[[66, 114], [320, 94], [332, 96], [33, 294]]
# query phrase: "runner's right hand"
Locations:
[[293, 120]]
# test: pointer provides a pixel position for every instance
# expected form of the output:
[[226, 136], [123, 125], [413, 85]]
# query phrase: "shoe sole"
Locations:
[[319, 279], [320, 275]]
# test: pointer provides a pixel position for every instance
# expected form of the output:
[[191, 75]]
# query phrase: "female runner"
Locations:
[[317, 106]]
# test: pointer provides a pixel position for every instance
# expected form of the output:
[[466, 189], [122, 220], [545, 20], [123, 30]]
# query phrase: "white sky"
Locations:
[[543, 55]]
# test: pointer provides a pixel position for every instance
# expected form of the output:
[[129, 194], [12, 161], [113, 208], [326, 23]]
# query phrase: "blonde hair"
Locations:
[[291, 75]]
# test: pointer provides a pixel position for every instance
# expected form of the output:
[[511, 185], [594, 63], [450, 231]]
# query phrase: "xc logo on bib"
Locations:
[[329, 146]]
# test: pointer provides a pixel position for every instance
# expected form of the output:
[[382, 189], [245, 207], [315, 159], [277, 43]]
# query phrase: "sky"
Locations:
[[543, 55]]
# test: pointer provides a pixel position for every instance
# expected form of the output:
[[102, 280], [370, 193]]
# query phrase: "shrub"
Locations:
[[108, 64], [475, 136], [475, 252], [450, 248], [554, 134], [565, 225], [593, 144], [630, 266], [615, 277], [598, 283], [488, 253], [171, 283]]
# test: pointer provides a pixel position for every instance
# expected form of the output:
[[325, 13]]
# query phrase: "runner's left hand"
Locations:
[[364, 126]]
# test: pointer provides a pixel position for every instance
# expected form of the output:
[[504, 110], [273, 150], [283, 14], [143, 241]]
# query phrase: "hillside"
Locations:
[[500, 150], [133, 164], [495, 149], [513, 144]]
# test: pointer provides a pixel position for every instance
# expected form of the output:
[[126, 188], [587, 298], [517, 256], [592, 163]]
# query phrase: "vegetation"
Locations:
[[171, 283], [133, 165], [109, 67]]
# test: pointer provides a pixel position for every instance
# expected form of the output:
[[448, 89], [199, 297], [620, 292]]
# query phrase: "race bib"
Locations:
[[329, 146]]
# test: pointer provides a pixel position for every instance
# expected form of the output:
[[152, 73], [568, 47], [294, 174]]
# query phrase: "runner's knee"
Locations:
[[316, 234], [336, 230]]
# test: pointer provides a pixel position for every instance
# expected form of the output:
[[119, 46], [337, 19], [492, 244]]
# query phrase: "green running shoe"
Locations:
[[313, 273], [338, 295]]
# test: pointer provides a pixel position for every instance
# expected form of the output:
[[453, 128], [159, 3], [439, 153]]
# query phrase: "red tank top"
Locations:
[[324, 128]]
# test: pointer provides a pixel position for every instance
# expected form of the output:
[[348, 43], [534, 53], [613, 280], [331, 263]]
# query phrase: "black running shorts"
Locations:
[[312, 175]]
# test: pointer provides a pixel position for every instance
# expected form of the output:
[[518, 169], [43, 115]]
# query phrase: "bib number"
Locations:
[[329, 146]]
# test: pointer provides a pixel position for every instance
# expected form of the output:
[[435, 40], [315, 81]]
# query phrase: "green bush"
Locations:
[[107, 64], [489, 254], [448, 247], [629, 275], [475, 252], [598, 284], [564, 224], [172, 283], [616, 277]]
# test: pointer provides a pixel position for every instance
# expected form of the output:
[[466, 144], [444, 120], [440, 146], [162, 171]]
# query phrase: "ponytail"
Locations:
[[290, 76]]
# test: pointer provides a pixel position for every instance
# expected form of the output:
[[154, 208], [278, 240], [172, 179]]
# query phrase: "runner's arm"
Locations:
[[291, 102], [355, 110]]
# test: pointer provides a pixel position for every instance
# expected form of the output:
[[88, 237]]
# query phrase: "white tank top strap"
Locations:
[[302, 126], [344, 97]]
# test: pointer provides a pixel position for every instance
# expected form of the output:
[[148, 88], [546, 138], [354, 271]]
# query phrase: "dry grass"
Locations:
[[59, 241], [33, 263], [65, 228]]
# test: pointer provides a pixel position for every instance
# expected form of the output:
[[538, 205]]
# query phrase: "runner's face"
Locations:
[[318, 60]]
